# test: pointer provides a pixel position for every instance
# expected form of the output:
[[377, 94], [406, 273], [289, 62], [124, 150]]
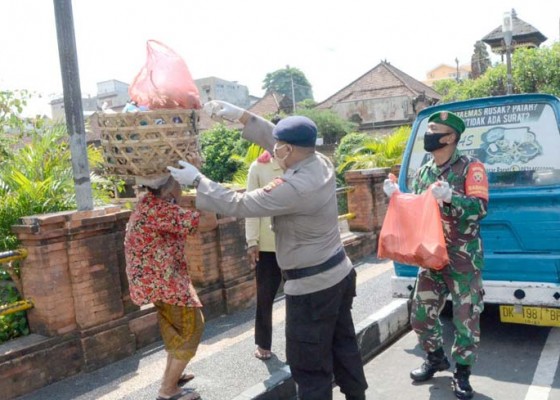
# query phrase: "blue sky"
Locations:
[[331, 42]]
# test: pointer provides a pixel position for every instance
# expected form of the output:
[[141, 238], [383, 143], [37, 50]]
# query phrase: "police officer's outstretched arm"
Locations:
[[277, 198], [223, 109], [256, 129]]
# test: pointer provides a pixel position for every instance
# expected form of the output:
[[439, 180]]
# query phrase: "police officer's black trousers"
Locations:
[[268, 276], [321, 341]]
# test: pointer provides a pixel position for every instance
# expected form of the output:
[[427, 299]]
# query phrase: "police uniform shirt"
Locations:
[[304, 209]]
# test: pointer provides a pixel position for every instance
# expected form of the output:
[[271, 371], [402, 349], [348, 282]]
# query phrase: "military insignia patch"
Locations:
[[477, 181], [274, 184], [443, 115]]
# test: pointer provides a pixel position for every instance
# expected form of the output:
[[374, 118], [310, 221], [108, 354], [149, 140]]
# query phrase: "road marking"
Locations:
[[546, 368], [145, 372]]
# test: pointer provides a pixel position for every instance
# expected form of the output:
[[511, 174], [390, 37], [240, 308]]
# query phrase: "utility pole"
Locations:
[[293, 95], [73, 102], [457, 62], [293, 90]]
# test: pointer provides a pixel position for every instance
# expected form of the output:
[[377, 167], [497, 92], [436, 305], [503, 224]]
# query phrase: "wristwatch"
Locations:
[[196, 181]]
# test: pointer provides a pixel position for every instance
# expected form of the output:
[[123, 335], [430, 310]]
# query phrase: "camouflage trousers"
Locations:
[[432, 290]]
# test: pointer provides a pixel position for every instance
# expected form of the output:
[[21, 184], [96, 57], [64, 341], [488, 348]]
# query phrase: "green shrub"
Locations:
[[219, 146], [373, 151], [330, 125], [348, 144], [11, 325]]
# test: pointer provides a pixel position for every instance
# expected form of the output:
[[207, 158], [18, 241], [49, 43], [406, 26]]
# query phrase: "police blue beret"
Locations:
[[296, 130], [449, 119]]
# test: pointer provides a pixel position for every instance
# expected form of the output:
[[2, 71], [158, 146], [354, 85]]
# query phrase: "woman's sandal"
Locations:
[[184, 379], [185, 394]]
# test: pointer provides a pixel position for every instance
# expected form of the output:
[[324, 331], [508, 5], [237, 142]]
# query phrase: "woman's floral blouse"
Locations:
[[154, 247]]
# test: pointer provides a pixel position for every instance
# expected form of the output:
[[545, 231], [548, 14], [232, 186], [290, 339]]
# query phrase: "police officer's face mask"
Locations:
[[432, 141], [275, 152]]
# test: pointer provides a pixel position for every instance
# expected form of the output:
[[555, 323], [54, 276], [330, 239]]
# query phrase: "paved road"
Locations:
[[224, 365], [516, 362]]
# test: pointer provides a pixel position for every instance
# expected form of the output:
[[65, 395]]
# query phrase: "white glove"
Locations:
[[222, 109], [442, 191], [186, 175], [389, 187]]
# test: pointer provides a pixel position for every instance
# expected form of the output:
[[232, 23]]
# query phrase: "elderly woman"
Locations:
[[157, 273]]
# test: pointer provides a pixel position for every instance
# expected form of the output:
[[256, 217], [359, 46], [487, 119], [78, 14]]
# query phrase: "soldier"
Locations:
[[320, 281], [461, 186]]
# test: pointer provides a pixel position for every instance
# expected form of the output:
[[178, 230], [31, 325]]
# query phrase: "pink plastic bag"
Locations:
[[164, 81], [412, 232]]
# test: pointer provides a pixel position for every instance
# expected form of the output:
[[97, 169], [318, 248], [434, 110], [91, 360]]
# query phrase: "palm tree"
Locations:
[[375, 152]]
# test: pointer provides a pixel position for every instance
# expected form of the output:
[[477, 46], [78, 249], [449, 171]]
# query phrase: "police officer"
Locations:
[[320, 280], [461, 186]]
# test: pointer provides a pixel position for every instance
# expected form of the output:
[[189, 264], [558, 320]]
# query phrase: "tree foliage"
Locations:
[[533, 71], [36, 174], [359, 151], [219, 146], [540, 72], [330, 125], [281, 82], [12, 125], [348, 144], [306, 104], [480, 60]]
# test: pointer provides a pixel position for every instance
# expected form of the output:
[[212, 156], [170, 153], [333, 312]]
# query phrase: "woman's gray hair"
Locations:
[[163, 189]]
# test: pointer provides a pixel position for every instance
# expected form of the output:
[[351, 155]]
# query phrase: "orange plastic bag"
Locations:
[[165, 81], [412, 232]]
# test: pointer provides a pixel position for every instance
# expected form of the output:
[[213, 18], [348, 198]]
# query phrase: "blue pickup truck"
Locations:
[[517, 137]]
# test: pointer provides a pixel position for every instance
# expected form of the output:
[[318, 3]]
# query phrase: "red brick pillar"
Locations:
[[239, 289], [367, 201], [73, 270]]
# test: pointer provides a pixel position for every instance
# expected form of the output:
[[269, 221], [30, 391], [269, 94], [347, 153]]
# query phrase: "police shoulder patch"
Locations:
[[477, 181], [274, 184]]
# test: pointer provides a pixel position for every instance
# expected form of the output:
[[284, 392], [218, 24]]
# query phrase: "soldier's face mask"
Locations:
[[431, 141]]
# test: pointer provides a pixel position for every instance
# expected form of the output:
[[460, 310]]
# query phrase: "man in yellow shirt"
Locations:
[[262, 255]]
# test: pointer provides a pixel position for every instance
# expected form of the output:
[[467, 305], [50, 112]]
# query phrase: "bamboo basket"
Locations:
[[145, 143]]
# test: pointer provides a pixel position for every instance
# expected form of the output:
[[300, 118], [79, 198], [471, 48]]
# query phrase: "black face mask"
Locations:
[[431, 141]]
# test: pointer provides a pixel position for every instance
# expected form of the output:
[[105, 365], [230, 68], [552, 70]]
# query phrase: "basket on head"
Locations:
[[145, 143]]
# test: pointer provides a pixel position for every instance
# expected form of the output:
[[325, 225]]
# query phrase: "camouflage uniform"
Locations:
[[462, 277]]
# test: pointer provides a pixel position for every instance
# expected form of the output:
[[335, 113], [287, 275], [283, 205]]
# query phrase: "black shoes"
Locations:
[[435, 362], [460, 383]]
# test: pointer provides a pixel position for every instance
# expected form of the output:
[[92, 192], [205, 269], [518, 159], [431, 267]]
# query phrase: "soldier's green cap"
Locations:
[[449, 119]]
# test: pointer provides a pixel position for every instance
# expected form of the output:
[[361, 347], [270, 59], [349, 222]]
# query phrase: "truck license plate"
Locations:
[[541, 316]]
